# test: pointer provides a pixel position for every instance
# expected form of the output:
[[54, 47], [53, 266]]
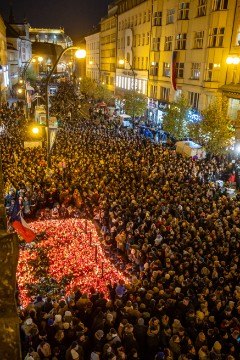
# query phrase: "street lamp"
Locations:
[[80, 54], [233, 60]]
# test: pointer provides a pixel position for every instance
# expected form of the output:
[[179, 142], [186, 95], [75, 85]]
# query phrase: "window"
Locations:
[[179, 70], [181, 40], [216, 36], [139, 39], [164, 93], [195, 72], [119, 26], [154, 69], [148, 38], [219, 5], [156, 44], [149, 15], [134, 40], [209, 74], [166, 69], [135, 21], [143, 39], [112, 67], [202, 8], [144, 16], [128, 40], [183, 10], [157, 20], [168, 43], [238, 39], [153, 91], [198, 39], [146, 63], [139, 19], [170, 16], [142, 66], [193, 99]]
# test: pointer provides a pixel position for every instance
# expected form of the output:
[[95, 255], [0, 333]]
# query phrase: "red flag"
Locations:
[[26, 233]]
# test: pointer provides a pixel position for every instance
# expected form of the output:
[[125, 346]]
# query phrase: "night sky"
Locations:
[[77, 17]]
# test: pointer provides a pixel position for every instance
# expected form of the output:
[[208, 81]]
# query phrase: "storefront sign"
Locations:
[[162, 105]]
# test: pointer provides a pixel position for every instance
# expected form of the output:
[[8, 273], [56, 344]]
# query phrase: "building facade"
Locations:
[[93, 64], [3, 62], [52, 36], [108, 39], [133, 46], [169, 47]]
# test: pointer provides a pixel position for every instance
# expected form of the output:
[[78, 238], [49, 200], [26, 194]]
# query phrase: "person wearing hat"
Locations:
[[140, 333], [215, 353], [98, 340]]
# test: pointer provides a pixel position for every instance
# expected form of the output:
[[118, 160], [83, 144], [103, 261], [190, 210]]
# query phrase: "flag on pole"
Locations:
[[19, 224], [173, 70]]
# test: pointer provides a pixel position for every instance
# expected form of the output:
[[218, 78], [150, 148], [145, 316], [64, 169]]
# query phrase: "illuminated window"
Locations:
[[166, 69], [154, 69], [183, 11], [195, 71]]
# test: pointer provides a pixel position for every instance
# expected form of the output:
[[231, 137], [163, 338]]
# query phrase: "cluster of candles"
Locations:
[[73, 250]]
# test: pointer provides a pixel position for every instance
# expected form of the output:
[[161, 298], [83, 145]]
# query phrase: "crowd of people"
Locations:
[[174, 229]]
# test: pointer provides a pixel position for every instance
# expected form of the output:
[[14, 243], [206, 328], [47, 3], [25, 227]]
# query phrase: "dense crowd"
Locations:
[[174, 228]]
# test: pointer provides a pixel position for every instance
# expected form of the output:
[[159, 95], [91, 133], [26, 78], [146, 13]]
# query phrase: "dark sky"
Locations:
[[77, 17]]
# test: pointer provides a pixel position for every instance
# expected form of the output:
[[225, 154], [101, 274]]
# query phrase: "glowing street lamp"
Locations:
[[80, 54], [233, 60]]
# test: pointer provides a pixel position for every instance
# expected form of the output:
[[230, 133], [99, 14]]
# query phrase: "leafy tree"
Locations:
[[135, 103], [175, 118], [102, 94], [31, 76], [88, 87], [216, 127]]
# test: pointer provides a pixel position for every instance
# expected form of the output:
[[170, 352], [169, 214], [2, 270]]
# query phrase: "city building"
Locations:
[[108, 40], [53, 36], [93, 65], [165, 48], [3, 62], [133, 45]]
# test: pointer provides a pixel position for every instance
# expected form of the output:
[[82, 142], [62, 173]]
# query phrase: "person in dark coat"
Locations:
[[140, 333]]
